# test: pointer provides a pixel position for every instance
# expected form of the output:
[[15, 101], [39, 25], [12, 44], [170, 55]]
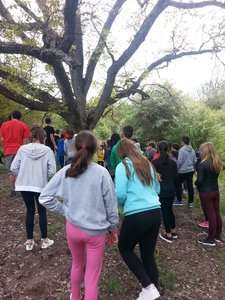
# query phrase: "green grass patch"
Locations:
[[120, 212], [52, 229], [112, 286], [167, 275]]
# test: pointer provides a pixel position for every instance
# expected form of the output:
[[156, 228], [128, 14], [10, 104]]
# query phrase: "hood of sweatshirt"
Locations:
[[35, 150], [187, 148]]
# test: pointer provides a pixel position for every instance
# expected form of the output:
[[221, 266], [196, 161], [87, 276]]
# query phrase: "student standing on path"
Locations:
[[167, 168], [207, 182], [69, 146], [90, 208], [13, 135], [50, 141], [137, 189], [185, 165], [127, 134], [33, 163]]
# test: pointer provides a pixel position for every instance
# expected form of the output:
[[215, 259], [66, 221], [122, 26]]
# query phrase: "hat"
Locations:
[[48, 120]]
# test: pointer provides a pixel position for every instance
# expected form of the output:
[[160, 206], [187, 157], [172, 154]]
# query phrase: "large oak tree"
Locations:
[[54, 51]]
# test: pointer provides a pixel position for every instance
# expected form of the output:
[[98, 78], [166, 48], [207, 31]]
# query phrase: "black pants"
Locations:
[[167, 213], [28, 198], [62, 161], [189, 178], [141, 228]]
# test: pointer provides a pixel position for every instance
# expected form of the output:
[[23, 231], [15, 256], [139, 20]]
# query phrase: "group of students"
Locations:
[[144, 190]]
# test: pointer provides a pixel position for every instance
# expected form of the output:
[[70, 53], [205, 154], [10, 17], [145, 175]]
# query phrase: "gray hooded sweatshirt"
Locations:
[[89, 201], [33, 164], [186, 159], [69, 147]]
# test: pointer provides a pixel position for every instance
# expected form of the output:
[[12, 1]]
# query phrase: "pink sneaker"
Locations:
[[204, 224]]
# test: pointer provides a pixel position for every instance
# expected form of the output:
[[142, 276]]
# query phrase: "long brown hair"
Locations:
[[38, 134], [208, 150], [141, 164], [86, 145]]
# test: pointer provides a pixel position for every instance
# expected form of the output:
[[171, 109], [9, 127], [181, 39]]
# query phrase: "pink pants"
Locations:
[[78, 242]]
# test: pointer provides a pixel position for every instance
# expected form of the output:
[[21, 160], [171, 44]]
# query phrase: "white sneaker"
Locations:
[[45, 245], [29, 246], [150, 294]]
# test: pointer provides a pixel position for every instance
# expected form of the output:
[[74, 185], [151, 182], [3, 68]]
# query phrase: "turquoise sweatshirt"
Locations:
[[132, 195]]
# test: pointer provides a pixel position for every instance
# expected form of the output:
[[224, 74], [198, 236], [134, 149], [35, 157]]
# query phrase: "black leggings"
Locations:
[[28, 198], [141, 228], [167, 213]]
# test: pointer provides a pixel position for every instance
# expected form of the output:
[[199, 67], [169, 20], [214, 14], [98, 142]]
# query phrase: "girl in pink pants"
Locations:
[[90, 208]]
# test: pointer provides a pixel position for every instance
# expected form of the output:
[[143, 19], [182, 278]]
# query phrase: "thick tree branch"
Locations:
[[100, 46], [28, 88], [193, 5], [45, 55], [32, 26], [166, 59], [33, 105], [70, 10]]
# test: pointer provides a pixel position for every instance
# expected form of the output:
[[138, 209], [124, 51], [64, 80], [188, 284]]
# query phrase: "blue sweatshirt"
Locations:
[[60, 146], [132, 195], [89, 201]]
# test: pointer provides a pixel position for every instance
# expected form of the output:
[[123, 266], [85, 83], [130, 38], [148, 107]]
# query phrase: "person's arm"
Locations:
[[51, 164], [113, 158], [200, 175], [180, 160], [110, 203], [53, 189], [121, 184], [155, 180], [15, 166], [53, 141]]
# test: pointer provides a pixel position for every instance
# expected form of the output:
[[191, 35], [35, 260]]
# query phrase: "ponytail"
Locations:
[[86, 145], [163, 147]]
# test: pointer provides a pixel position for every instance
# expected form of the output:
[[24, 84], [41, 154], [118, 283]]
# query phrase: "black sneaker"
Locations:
[[218, 239], [174, 235], [12, 193], [207, 242], [165, 237]]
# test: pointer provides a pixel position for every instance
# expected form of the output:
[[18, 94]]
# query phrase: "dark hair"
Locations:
[[16, 114], [163, 148], [114, 139], [135, 140], [70, 134], [39, 134], [197, 154], [86, 145], [108, 142], [185, 139], [176, 146], [57, 131], [10, 117], [174, 153], [152, 145], [141, 164], [128, 131], [62, 135], [48, 120]]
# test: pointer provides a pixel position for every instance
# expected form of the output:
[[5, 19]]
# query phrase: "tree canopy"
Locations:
[[55, 55]]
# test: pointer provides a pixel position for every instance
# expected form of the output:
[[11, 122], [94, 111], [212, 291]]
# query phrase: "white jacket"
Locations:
[[33, 164]]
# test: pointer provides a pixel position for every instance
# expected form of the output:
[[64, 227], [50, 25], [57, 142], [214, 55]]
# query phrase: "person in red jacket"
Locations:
[[14, 134]]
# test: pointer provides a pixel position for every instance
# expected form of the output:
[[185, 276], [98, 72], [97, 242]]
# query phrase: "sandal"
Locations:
[[29, 245]]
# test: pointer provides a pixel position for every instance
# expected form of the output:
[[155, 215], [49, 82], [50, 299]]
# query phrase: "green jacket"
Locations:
[[114, 159]]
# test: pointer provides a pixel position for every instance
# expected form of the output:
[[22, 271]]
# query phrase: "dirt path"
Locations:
[[197, 272]]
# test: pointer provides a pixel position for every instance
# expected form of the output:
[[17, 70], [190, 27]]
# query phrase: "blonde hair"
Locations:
[[208, 150], [141, 164]]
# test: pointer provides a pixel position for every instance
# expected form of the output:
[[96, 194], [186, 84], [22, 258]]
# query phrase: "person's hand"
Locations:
[[115, 238], [56, 148]]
